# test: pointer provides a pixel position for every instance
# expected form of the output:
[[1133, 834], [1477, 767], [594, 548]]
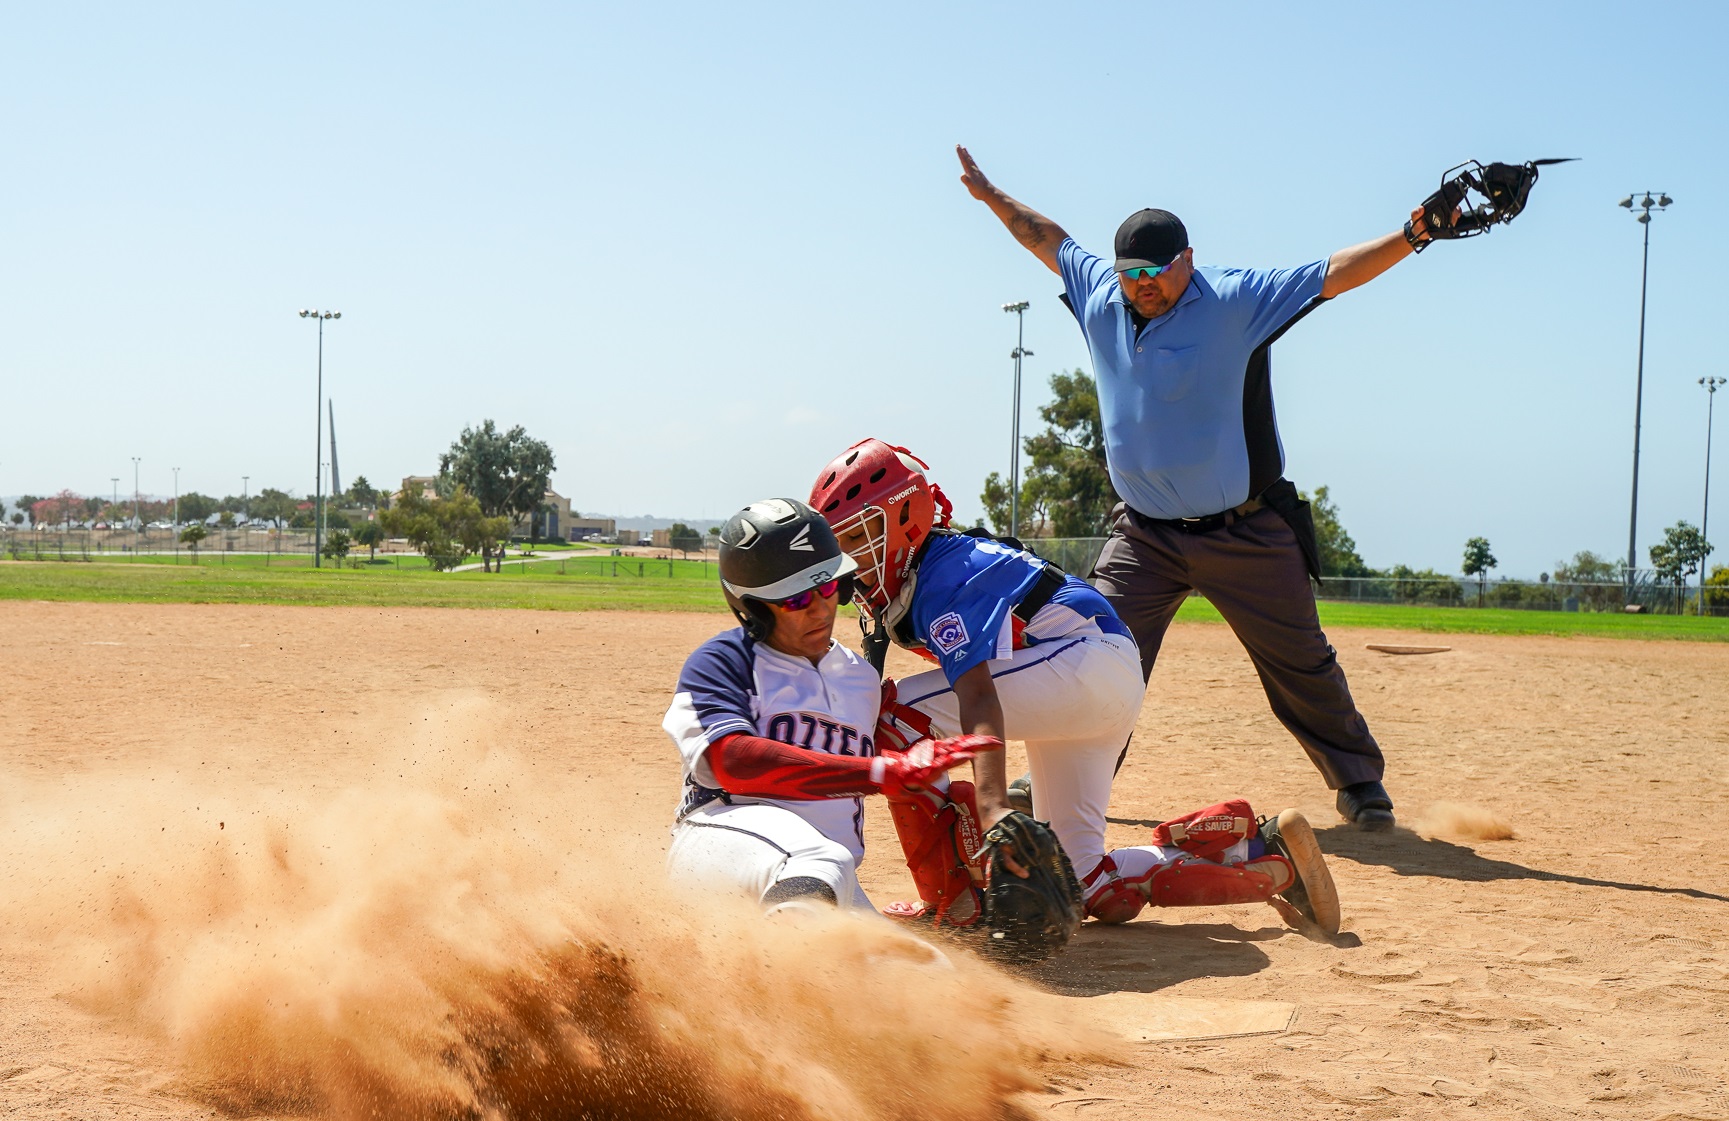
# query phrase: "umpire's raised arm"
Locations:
[[1039, 234], [1356, 266]]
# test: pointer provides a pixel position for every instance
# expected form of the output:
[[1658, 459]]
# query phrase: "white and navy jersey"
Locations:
[[968, 587], [734, 685]]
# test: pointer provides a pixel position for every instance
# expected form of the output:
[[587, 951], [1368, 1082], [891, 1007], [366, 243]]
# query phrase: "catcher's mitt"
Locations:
[[1454, 211], [1028, 919]]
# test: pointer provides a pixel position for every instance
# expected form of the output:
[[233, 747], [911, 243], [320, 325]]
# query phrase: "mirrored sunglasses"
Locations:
[[1136, 274], [802, 600]]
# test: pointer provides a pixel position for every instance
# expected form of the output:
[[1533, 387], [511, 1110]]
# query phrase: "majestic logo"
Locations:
[[802, 540], [948, 633]]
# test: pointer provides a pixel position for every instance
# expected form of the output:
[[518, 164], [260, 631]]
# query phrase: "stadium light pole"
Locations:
[[137, 526], [176, 471], [1645, 206], [1019, 309], [1710, 385], [318, 457], [115, 479]]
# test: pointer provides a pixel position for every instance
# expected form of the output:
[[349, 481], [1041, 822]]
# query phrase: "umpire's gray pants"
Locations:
[[1252, 571]]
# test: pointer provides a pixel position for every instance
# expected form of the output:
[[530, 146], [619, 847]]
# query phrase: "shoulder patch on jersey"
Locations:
[[948, 633]]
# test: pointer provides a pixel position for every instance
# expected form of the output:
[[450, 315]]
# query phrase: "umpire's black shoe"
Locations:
[[1367, 806]]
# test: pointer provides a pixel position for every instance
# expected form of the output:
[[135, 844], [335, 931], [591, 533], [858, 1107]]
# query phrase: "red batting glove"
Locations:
[[902, 773]]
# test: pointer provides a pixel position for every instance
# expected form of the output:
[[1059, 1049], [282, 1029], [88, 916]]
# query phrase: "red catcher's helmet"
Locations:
[[881, 506]]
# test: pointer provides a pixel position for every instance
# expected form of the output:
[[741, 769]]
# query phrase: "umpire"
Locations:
[[1180, 355]]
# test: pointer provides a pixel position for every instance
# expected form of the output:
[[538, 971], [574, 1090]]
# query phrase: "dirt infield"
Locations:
[[234, 837]]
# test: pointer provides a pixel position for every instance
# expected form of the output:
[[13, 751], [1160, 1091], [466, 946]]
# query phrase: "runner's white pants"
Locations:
[[748, 848], [1074, 700]]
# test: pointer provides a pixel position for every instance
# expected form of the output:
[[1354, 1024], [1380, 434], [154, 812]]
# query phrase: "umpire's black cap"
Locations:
[[1150, 239]]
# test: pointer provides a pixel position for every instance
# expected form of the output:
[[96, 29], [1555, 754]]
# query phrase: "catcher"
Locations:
[[1025, 650], [775, 721]]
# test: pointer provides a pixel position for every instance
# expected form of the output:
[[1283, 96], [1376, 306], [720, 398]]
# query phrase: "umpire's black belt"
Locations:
[[1205, 524]]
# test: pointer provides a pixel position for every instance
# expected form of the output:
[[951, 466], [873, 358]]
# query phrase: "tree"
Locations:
[[445, 530], [1717, 588], [226, 519], [17, 518], [27, 505], [371, 534], [192, 535], [684, 538], [1593, 581], [362, 493], [195, 507], [1478, 561], [1339, 555], [336, 546], [1679, 556], [1420, 585], [1067, 487], [274, 506], [507, 473]]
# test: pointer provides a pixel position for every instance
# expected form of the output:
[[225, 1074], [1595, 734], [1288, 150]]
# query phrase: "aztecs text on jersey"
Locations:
[[734, 685]]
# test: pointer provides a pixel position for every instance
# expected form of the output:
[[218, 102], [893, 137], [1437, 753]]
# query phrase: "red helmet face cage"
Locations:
[[881, 507]]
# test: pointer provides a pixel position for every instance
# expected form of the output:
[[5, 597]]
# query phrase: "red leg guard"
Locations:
[[941, 838], [1201, 883], [900, 726], [1108, 897], [1209, 832]]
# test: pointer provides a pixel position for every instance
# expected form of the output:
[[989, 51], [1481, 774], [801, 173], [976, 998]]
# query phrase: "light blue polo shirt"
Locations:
[[1187, 402]]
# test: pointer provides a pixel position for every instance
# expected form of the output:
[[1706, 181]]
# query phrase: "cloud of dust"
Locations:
[[1455, 819], [477, 941]]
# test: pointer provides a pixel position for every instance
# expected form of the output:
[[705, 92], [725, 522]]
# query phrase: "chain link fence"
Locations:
[[1077, 555], [1645, 592], [93, 544], [295, 548]]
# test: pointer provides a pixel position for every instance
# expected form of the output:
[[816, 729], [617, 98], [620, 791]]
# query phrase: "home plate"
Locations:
[[1156, 1017], [1387, 648]]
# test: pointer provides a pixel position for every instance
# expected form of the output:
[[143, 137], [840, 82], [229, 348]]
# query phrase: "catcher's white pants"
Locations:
[[748, 848], [1074, 701]]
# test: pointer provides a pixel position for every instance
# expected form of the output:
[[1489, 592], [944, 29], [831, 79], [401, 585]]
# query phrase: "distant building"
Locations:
[[547, 523], [582, 529], [425, 485], [661, 538], [629, 537], [554, 521]]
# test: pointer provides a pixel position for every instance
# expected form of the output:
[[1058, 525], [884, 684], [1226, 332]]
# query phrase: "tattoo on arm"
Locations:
[[1030, 228]]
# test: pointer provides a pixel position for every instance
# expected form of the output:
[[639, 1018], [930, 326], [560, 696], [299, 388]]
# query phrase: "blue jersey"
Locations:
[[734, 685], [968, 587]]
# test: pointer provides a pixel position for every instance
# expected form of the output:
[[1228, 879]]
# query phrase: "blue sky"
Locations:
[[700, 249]]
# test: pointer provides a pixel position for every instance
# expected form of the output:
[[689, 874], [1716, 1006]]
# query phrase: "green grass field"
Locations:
[[590, 584], [567, 584]]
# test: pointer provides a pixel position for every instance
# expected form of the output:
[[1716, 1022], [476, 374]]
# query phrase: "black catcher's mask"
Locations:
[[1483, 196]]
